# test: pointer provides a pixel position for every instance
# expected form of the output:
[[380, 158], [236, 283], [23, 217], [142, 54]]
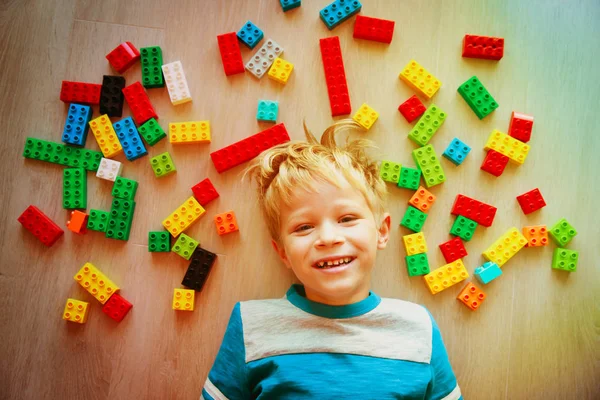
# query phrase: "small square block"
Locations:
[[124, 188], [471, 296], [287, 5], [226, 223], [366, 116], [98, 220], [422, 199], [205, 192], [116, 307], [487, 272], [267, 110], [562, 232], [250, 34], [412, 109], [78, 222], [415, 243], [109, 169], [281, 70], [183, 299], [390, 171], [565, 260], [520, 126], [76, 311], [413, 219], [184, 246], [159, 242], [417, 264], [494, 163], [531, 201], [152, 132], [456, 151], [536, 235], [162, 165], [464, 228], [453, 249], [409, 178]]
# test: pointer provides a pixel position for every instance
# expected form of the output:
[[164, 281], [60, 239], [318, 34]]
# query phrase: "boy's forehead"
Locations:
[[323, 194]]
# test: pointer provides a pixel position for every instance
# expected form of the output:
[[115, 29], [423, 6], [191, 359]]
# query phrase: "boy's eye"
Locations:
[[302, 228], [347, 219]]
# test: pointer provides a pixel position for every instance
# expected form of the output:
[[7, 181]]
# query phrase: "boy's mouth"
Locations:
[[333, 262]]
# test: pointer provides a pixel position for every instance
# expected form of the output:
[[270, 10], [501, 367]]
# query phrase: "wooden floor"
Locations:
[[535, 337]]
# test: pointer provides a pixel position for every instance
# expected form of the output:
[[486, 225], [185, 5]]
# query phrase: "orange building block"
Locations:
[[422, 199], [226, 223], [471, 296], [536, 235], [78, 222]]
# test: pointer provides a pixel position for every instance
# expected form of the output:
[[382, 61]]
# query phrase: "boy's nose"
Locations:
[[329, 235]]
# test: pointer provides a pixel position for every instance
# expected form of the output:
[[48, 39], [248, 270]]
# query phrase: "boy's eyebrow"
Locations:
[[300, 211]]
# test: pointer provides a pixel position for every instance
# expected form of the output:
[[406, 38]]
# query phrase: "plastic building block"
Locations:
[[98, 220], [536, 235], [76, 127], [378, 30], [57, 153], [494, 163], [456, 151], [263, 58], [246, 149], [111, 95], [231, 56], [419, 79], [339, 11], [106, 136], [430, 166], [475, 210], [80, 92], [76, 311], [464, 228], [520, 126], [413, 219], [487, 272], [78, 222], [189, 132], [422, 199], [445, 276], [471, 296], [152, 132], [120, 219], [366, 116], [74, 188], [412, 108], [183, 300], [250, 35], [415, 243], [531, 201], [139, 103], [152, 61], [565, 259], [428, 125], [116, 307], [287, 5], [162, 165], [109, 169], [123, 57], [267, 110], [40, 225], [130, 139], [179, 91], [199, 268], [505, 247], [124, 188], [562, 232], [335, 76], [485, 47], [226, 223], [95, 282], [184, 246], [184, 216], [477, 97], [204, 192], [453, 249], [390, 171], [409, 178], [281, 70], [159, 242], [417, 264], [515, 150]]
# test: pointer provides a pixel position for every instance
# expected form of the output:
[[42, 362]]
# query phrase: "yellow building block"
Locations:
[[514, 149], [189, 132], [76, 311], [281, 70], [106, 137], [95, 282], [183, 217], [446, 276], [415, 244], [419, 79], [505, 247], [366, 116], [183, 300]]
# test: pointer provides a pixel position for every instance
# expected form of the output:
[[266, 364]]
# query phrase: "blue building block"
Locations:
[[487, 272], [130, 138], [267, 110], [76, 127], [290, 4], [456, 151], [339, 11], [250, 34]]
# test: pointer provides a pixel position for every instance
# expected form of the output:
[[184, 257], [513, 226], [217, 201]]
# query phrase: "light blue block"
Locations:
[[130, 139], [339, 11], [290, 4], [487, 272], [250, 34], [457, 151], [76, 126], [267, 110]]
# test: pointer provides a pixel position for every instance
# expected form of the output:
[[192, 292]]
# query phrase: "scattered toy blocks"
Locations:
[[422, 199], [477, 97], [429, 164], [124, 188], [189, 132], [199, 268], [485, 47], [487, 272], [250, 35], [231, 56], [78, 222], [184, 216], [74, 188], [536, 235], [152, 61], [184, 246], [562, 232], [457, 151], [413, 219], [111, 95], [287, 5], [183, 300], [417, 264], [471, 296], [139, 103], [453, 249], [419, 79], [520, 126], [565, 259], [226, 223], [378, 30], [159, 242], [445, 276], [475, 210], [267, 110], [56, 153], [281, 70], [162, 165], [428, 125], [366, 116], [412, 109], [98, 220], [339, 11], [464, 228], [109, 169], [80, 92], [123, 57], [335, 76], [263, 58], [409, 178], [76, 311], [120, 219], [95, 282], [116, 307], [130, 139], [152, 132], [106, 137], [515, 150], [76, 127], [179, 91], [531, 201], [205, 192], [390, 171], [415, 243], [505, 247], [42, 227], [494, 163]]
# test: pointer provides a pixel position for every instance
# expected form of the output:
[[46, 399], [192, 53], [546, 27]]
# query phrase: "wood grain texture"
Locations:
[[535, 337]]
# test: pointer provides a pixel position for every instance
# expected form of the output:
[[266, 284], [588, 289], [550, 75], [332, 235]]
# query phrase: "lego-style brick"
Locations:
[[199, 268], [417, 264], [335, 76], [189, 132], [389, 171], [413, 219], [226, 223], [250, 34], [565, 259], [109, 169], [415, 243], [412, 108], [536, 235], [422, 199], [366, 116], [162, 165], [562, 232], [56, 153], [183, 300], [152, 61], [475, 210], [419, 79], [453, 249], [152, 132], [111, 95], [464, 228], [74, 188], [369, 28], [515, 150], [159, 242], [76, 311], [477, 97], [95, 282], [231, 56], [487, 272], [76, 126], [457, 151], [124, 188], [281, 70], [427, 126], [98, 220], [130, 139], [246, 149], [120, 219], [287, 5], [531, 201], [116, 307], [505, 247], [204, 192], [78, 222], [42, 227], [184, 216], [267, 110], [494, 163], [184, 246], [409, 178], [139, 103], [471, 296], [179, 91], [485, 47], [339, 11], [520, 126], [80, 92], [106, 136], [263, 58], [123, 57], [429, 164], [445, 276]]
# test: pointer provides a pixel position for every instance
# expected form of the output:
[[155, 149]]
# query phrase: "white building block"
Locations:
[[109, 169], [176, 83]]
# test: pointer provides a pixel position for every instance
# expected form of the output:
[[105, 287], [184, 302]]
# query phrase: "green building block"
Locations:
[[428, 125], [417, 264], [162, 165], [390, 171], [477, 97], [124, 188], [159, 242], [184, 246], [74, 188], [152, 132], [429, 164], [565, 259], [562, 232], [56, 153], [120, 219], [464, 228], [409, 178], [98, 220], [413, 219], [152, 61]]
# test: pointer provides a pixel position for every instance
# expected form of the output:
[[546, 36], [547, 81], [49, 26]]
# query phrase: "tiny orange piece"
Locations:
[[226, 223], [536, 235], [422, 199], [471, 296], [78, 222]]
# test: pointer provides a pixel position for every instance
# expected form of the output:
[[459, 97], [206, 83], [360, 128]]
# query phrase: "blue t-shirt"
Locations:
[[295, 348]]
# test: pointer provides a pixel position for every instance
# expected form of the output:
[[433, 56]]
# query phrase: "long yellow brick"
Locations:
[[446, 276], [505, 247], [183, 217], [514, 149], [419, 79]]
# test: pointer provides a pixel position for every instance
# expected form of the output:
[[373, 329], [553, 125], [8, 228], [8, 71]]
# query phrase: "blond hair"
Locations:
[[280, 170]]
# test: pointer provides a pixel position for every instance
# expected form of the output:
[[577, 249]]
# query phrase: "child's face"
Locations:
[[334, 225]]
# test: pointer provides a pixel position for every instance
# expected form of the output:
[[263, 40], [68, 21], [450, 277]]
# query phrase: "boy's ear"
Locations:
[[281, 253], [383, 234]]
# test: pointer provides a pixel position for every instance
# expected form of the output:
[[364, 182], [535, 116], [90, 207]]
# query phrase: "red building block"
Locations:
[[246, 149], [473, 209], [116, 307], [40, 225], [494, 163], [471, 296], [520, 126], [80, 92], [378, 30], [139, 103], [486, 47], [531, 201], [78, 222], [123, 57], [205, 192], [231, 56], [335, 76], [412, 109], [453, 249]]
